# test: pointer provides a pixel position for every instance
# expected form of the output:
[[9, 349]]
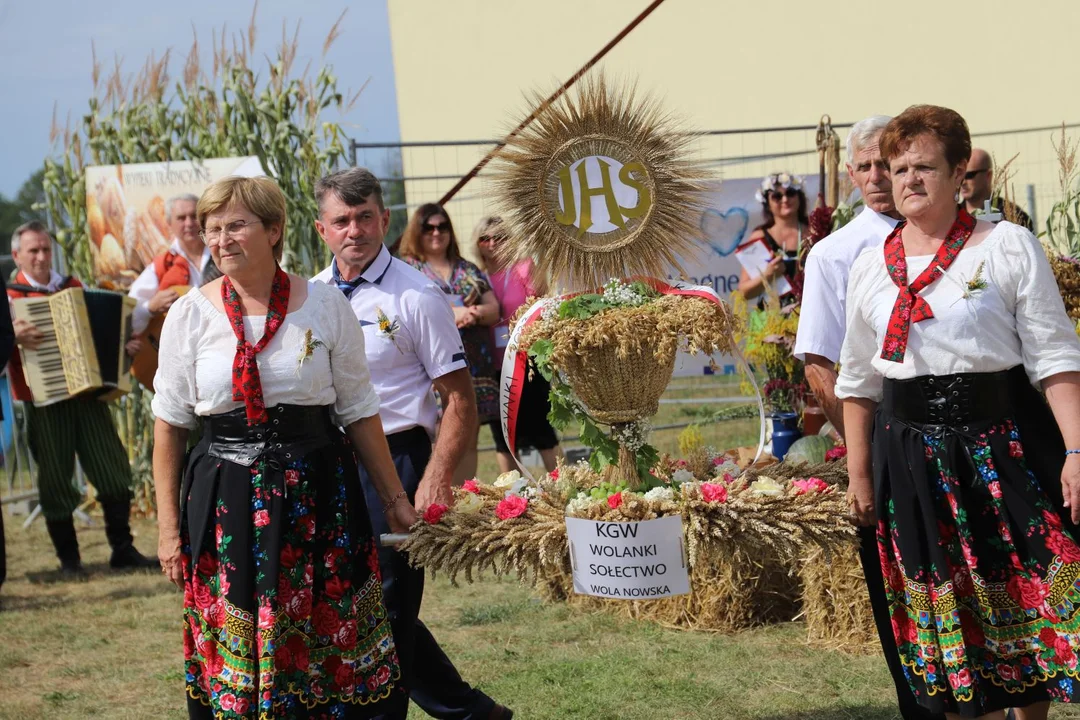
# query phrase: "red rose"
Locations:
[[714, 493], [1060, 544], [336, 587], [241, 706], [331, 664], [1052, 518], [266, 618], [331, 557], [292, 477], [903, 628], [299, 606], [261, 518], [372, 683], [383, 675], [345, 637], [615, 500], [1064, 652], [471, 486], [189, 644], [202, 594], [325, 619], [306, 526], [299, 651], [215, 614], [1047, 637], [290, 556], [345, 676], [434, 513], [228, 701], [283, 659], [964, 677], [1029, 593], [1015, 450], [214, 662], [219, 534], [208, 565], [1007, 672], [511, 506], [837, 453]]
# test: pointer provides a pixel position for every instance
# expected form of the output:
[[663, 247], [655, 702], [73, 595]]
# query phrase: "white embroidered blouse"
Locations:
[[197, 348], [998, 306]]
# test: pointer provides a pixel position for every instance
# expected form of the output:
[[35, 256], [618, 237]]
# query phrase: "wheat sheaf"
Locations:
[[601, 119]]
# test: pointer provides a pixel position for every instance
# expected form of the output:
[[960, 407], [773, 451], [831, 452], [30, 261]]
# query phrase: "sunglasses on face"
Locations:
[[777, 196], [490, 239], [972, 174], [443, 227]]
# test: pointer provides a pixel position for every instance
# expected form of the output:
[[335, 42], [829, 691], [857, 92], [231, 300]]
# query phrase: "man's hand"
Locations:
[[27, 335], [133, 346], [162, 301], [432, 491]]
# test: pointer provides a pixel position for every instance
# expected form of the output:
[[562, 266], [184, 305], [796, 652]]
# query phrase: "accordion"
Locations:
[[82, 351]]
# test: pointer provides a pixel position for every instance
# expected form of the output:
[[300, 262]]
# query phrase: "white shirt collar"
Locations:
[[177, 248], [55, 280]]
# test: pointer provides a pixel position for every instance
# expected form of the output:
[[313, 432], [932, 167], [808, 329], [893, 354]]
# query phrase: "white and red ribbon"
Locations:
[[516, 360]]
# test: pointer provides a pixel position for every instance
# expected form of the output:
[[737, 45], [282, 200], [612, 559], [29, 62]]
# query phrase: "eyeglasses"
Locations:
[[972, 174], [778, 196], [492, 239], [232, 231], [443, 227]]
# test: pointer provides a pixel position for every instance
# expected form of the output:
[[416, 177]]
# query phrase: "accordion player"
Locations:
[[82, 351]]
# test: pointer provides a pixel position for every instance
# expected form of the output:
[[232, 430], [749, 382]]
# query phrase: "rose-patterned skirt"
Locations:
[[981, 572], [283, 608]]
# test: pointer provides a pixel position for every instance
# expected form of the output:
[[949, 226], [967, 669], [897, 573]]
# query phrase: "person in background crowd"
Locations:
[[821, 336], [950, 325], [512, 287], [80, 425], [270, 539], [430, 245], [978, 187], [182, 264], [411, 344], [787, 224]]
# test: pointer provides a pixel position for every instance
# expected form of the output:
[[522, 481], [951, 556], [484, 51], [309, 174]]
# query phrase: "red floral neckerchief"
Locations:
[[246, 384], [910, 307]]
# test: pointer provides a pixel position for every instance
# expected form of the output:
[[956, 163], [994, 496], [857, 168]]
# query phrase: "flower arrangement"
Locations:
[[609, 355], [783, 180], [767, 339]]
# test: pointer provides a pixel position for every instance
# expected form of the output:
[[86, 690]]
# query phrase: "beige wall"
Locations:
[[462, 67]]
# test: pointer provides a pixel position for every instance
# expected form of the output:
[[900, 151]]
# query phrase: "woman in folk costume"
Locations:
[[271, 542], [949, 327]]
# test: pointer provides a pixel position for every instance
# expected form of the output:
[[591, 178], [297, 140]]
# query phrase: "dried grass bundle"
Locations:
[[835, 605]]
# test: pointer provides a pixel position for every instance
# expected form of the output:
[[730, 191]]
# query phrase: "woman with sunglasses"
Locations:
[[513, 285], [786, 227], [429, 245]]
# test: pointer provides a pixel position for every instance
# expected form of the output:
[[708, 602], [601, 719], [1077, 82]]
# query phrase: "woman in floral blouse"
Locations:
[[270, 539], [429, 245]]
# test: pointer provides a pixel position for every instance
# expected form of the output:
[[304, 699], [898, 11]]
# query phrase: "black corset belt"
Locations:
[[955, 401], [291, 432]]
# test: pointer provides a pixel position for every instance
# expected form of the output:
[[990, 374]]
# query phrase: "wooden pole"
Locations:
[[555, 96]]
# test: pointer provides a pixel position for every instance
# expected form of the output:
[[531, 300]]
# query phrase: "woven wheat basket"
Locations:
[[619, 389]]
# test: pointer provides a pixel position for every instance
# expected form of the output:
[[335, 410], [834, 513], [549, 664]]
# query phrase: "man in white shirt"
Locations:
[[155, 296], [822, 323], [411, 343]]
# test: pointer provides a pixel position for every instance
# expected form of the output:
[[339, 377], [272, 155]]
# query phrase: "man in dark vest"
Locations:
[[58, 432]]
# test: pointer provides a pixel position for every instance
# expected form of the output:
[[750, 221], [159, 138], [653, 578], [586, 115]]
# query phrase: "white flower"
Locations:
[[507, 479], [681, 476], [579, 505], [660, 494], [468, 504], [783, 179], [726, 468], [766, 486], [531, 492]]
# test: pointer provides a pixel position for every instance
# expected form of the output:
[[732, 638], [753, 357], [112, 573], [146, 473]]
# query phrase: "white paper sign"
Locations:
[[628, 560]]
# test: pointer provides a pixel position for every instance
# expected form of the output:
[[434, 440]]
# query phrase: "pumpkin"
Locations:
[[810, 450]]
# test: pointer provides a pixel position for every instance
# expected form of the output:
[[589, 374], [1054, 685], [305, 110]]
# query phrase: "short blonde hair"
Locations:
[[488, 225], [260, 195]]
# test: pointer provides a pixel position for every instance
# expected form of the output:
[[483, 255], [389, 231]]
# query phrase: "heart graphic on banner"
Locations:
[[725, 230]]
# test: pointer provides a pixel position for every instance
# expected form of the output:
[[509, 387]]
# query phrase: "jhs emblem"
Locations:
[[599, 194]]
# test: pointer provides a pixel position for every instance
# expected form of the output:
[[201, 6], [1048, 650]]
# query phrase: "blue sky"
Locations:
[[46, 60]]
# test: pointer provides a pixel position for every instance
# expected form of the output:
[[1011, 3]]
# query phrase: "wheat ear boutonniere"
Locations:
[[307, 349], [388, 328]]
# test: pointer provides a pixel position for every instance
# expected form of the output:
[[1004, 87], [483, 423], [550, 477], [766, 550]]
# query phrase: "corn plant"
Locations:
[[1062, 234], [230, 111]]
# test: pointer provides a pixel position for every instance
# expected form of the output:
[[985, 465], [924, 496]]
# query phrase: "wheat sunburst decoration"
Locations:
[[602, 184]]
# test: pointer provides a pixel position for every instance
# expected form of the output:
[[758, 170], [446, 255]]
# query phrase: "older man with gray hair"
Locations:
[[822, 323], [184, 263]]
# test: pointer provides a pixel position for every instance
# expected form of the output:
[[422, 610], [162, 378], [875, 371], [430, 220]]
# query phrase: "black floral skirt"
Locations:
[[283, 608], [982, 572]]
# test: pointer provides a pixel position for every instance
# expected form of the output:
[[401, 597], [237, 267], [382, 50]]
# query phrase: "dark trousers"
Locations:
[[875, 585], [431, 679]]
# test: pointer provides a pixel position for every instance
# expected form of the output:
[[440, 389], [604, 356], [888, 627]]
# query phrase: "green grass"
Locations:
[[111, 648]]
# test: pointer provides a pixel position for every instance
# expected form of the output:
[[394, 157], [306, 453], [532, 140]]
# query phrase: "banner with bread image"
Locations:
[[125, 210]]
